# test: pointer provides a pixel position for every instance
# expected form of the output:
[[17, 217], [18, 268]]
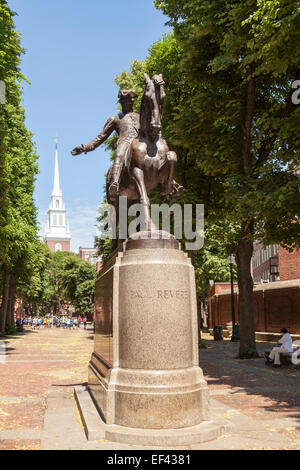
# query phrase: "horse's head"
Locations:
[[151, 107]]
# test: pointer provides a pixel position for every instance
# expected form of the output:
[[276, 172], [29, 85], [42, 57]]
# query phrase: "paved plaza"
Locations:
[[38, 410]]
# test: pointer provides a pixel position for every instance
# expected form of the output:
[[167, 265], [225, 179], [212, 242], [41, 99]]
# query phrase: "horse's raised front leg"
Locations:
[[138, 176], [169, 185], [167, 171]]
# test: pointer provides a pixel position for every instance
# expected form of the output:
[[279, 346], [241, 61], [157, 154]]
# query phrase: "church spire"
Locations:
[[56, 186], [57, 233]]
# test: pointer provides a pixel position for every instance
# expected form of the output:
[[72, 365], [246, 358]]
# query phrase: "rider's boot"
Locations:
[[114, 186], [114, 189]]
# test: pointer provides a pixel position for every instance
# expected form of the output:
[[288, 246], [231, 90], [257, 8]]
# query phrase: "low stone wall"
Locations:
[[276, 306]]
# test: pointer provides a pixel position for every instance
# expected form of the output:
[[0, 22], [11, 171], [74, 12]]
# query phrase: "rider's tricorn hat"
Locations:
[[123, 93]]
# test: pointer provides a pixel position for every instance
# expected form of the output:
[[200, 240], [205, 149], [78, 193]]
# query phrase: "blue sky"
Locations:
[[74, 49]]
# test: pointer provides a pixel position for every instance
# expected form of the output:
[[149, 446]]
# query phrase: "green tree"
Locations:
[[59, 280], [18, 227], [78, 281], [240, 119], [211, 262], [33, 286]]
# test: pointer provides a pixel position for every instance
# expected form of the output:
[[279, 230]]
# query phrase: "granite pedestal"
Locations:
[[144, 373]]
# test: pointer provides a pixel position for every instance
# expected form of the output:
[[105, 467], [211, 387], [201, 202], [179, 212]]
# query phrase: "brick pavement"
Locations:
[[269, 397], [39, 364], [38, 411]]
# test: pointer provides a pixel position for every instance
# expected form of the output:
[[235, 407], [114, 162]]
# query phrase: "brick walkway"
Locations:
[[263, 401], [38, 411], [42, 366]]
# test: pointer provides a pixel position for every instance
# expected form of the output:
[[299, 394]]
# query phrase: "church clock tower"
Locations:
[[57, 233]]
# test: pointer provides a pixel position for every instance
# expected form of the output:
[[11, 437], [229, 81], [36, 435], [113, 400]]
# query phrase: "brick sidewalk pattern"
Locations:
[[38, 411]]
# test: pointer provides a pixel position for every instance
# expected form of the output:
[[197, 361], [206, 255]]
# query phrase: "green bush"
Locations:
[[10, 329], [202, 344], [248, 353]]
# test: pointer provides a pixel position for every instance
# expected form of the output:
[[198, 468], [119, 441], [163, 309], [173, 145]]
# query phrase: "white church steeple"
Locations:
[[57, 234], [56, 186]]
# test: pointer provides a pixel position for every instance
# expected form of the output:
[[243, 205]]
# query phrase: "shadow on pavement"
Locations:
[[253, 387], [18, 334]]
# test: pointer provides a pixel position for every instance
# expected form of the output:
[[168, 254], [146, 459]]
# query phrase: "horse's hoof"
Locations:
[[176, 193]]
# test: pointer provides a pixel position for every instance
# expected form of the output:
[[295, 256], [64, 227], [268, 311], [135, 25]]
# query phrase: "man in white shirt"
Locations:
[[286, 346]]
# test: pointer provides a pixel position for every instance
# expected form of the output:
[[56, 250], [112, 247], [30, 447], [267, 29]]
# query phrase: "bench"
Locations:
[[285, 357]]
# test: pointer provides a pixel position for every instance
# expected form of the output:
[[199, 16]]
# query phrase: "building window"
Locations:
[[60, 220], [86, 257], [58, 247], [57, 203], [54, 220]]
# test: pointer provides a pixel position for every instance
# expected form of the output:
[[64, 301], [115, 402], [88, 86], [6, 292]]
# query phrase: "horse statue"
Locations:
[[149, 162]]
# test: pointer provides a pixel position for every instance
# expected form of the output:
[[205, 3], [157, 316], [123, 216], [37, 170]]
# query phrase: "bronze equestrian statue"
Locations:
[[147, 161]]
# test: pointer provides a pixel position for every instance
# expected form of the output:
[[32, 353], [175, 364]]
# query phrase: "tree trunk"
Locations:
[[4, 304], [245, 283], [10, 317], [9, 302]]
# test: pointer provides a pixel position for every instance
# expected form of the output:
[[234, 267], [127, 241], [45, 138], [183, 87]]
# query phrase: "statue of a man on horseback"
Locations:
[[143, 159]]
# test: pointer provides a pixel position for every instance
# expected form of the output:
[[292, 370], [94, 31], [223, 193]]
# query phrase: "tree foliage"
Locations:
[[18, 168], [77, 278], [229, 115], [60, 281], [242, 61]]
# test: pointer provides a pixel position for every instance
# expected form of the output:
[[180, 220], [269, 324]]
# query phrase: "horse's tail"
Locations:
[[108, 180]]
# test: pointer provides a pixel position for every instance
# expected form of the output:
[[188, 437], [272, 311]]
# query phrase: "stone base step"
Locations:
[[97, 429]]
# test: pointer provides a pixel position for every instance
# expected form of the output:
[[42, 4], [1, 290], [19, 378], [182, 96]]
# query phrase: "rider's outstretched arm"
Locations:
[[109, 127], [104, 134]]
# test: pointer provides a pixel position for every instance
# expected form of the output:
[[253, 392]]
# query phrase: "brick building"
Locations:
[[276, 305], [289, 264], [57, 231], [90, 255], [276, 274], [274, 263]]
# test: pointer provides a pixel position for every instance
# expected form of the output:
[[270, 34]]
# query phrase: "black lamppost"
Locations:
[[234, 335]]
